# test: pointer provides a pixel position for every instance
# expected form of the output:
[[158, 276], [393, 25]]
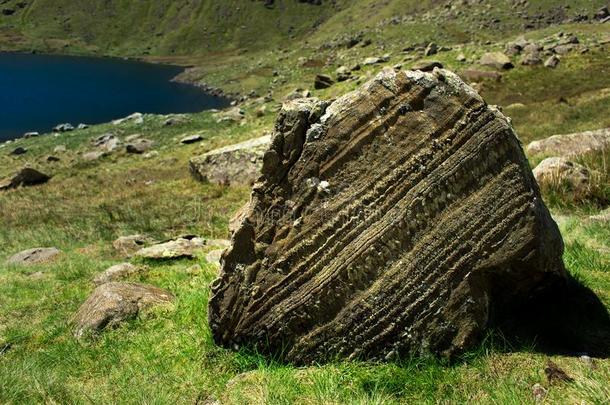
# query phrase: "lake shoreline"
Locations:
[[112, 87]]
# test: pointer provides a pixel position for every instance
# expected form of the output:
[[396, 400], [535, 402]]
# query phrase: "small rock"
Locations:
[[94, 155], [136, 118], [106, 142], [229, 115], [173, 121], [112, 303], [372, 61], [556, 173], [427, 65], [132, 137], [174, 249], [116, 273], [431, 49], [30, 135], [34, 256], [52, 159], [59, 149], [322, 82], [214, 256], [67, 127], [128, 245], [82, 126], [19, 151], [191, 139], [461, 58], [552, 62], [555, 374], [539, 392], [24, 178], [589, 362], [343, 74], [139, 146], [497, 60], [531, 59]]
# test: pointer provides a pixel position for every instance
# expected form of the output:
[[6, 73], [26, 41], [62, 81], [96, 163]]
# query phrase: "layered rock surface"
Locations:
[[402, 218]]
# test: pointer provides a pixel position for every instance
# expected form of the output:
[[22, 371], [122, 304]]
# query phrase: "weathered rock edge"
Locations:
[[403, 218]]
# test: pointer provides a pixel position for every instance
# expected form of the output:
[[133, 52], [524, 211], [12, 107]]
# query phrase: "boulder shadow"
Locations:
[[566, 318]]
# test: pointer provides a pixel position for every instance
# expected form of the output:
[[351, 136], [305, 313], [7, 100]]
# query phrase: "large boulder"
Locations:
[[237, 164], [112, 303], [576, 144], [403, 218], [24, 178]]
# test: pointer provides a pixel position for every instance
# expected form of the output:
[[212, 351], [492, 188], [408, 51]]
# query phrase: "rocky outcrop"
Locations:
[[112, 303], [572, 144], [403, 218], [237, 164], [34, 256], [24, 178]]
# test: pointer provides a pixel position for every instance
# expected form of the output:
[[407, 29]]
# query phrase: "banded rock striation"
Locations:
[[403, 218]]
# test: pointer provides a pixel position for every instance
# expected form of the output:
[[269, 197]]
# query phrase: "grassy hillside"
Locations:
[[167, 355]]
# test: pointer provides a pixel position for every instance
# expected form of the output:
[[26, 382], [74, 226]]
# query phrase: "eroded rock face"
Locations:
[[400, 219]]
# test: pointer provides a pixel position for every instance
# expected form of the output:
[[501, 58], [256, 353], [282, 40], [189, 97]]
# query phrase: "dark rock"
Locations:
[[602, 13], [555, 374], [24, 178], [19, 151], [431, 49], [112, 303], [52, 159], [323, 82], [400, 219]]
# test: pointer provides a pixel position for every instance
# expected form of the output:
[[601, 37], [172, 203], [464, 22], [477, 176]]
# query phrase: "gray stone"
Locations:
[[552, 62], [128, 245], [173, 249], [116, 273], [34, 256], [139, 146], [112, 303], [557, 173], [237, 164], [496, 60], [577, 144], [191, 139]]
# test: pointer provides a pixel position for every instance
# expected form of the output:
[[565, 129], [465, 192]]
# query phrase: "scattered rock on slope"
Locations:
[[323, 82], [405, 225], [139, 146], [572, 144], [237, 164], [557, 173], [116, 273], [34, 256], [24, 178], [497, 60], [112, 303], [128, 245], [183, 247]]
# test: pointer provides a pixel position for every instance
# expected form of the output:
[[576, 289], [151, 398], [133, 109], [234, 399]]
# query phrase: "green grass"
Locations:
[[167, 355]]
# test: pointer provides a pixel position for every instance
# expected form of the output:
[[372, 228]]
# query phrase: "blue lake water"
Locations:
[[38, 92]]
